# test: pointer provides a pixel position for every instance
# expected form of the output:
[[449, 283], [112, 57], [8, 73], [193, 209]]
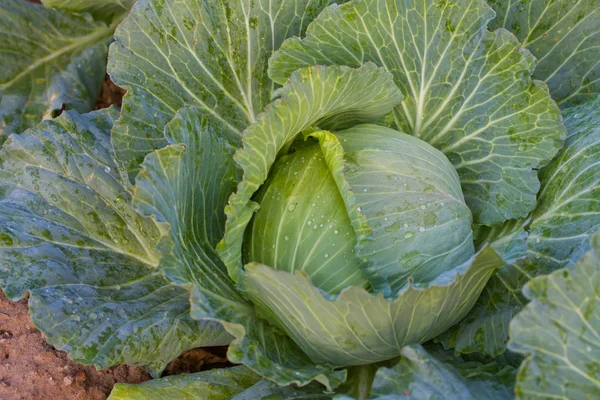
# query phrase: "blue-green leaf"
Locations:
[[422, 375], [566, 216], [559, 330], [564, 36], [71, 237], [49, 59], [205, 53]]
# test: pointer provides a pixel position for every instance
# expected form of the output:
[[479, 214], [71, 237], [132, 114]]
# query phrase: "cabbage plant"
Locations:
[[351, 197]]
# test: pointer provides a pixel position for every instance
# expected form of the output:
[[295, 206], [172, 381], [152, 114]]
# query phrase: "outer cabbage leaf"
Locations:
[[48, 60], [237, 383], [422, 375], [215, 384], [71, 237], [564, 36], [566, 217], [560, 331], [259, 345], [185, 186], [207, 53], [509, 239], [100, 9], [567, 213], [485, 328], [467, 91], [344, 97], [357, 327]]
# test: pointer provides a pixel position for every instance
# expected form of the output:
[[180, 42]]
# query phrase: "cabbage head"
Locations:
[[350, 237]]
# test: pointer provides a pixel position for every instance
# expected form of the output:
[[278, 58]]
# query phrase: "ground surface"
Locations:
[[31, 369]]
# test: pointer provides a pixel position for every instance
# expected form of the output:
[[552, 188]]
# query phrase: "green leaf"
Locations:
[[559, 330], [185, 186], [48, 60], [476, 332], [357, 327], [467, 91], [215, 384], [100, 9], [259, 345], [345, 96], [567, 213], [564, 36], [421, 375], [71, 237], [237, 383], [207, 53], [566, 217], [509, 239]]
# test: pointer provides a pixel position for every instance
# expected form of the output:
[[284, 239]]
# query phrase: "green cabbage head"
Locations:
[[352, 238]]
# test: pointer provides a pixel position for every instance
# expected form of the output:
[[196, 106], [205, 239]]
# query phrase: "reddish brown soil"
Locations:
[[111, 94]]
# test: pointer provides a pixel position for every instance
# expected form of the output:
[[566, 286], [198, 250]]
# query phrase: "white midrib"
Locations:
[[80, 43]]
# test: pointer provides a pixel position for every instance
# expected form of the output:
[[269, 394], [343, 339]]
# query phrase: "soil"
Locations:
[[110, 94], [31, 369]]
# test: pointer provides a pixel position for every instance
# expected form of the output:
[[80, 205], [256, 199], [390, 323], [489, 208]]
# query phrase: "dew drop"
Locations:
[[359, 209], [286, 237], [291, 207], [365, 190], [421, 229], [107, 170], [407, 235], [335, 232], [309, 223], [422, 206], [326, 255]]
